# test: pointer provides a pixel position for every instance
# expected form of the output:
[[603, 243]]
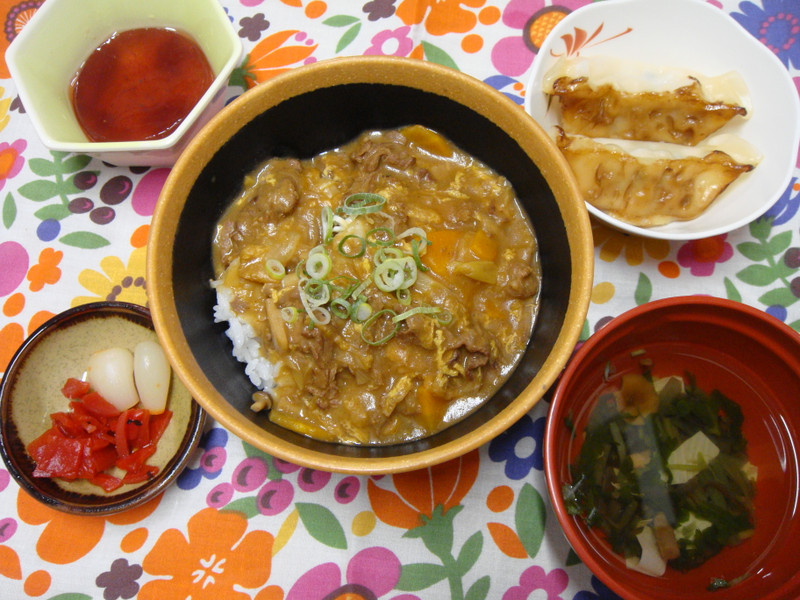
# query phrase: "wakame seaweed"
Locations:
[[622, 480]]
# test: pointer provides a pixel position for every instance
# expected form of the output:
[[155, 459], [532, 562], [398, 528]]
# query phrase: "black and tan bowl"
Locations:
[[31, 391], [319, 107]]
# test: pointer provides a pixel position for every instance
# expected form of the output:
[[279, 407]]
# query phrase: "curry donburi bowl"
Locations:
[[320, 107]]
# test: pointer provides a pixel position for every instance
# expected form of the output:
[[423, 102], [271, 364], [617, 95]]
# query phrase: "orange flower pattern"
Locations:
[[15, 15], [46, 271], [418, 493], [440, 17], [275, 55], [217, 557], [82, 532]]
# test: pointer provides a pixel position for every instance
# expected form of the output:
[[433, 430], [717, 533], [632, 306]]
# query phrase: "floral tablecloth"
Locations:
[[240, 524]]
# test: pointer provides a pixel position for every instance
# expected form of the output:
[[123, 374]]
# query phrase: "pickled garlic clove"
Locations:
[[110, 374], [151, 373]]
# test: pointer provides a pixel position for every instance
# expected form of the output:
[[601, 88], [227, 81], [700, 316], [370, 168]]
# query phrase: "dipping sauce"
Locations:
[[139, 84]]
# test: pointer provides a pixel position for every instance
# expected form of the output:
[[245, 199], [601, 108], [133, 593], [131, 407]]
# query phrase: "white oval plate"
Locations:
[[698, 36]]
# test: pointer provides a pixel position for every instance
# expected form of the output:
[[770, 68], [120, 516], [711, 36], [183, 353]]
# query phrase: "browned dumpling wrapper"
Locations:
[[647, 191], [607, 97], [681, 116]]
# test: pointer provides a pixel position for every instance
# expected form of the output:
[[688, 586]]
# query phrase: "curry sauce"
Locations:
[[394, 282]]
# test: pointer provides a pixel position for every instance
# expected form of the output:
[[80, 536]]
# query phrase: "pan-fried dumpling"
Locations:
[[648, 190], [612, 98]]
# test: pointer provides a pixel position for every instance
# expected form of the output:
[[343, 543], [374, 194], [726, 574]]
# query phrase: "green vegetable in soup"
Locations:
[[663, 472]]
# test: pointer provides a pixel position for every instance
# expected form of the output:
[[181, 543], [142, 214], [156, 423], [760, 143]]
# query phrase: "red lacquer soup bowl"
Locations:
[[753, 359]]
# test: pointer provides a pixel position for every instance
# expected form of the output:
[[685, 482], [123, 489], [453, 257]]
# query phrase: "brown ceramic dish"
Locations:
[[31, 391], [319, 107]]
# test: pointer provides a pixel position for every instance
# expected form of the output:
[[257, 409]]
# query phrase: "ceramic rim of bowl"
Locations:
[[410, 73]]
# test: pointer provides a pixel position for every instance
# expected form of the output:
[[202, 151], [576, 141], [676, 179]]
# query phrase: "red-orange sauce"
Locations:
[[139, 85]]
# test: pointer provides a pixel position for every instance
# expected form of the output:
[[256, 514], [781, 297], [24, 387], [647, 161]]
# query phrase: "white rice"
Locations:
[[246, 344]]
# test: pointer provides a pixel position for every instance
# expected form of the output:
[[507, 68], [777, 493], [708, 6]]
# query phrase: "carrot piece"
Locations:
[[482, 246], [428, 140], [444, 244], [432, 408]]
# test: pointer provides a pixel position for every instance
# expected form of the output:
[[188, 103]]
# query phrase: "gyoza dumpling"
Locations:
[[611, 98], [652, 189]]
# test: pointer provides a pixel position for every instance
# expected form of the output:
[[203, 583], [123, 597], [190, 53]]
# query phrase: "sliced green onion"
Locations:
[[362, 203], [370, 322], [319, 315], [417, 310], [445, 317], [403, 296], [340, 308], [342, 295], [395, 273], [327, 224], [289, 314], [384, 254], [358, 252], [340, 222], [318, 264], [415, 231], [360, 310], [351, 284], [416, 254], [275, 269], [389, 275], [300, 270], [380, 236], [361, 287], [316, 291], [409, 271]]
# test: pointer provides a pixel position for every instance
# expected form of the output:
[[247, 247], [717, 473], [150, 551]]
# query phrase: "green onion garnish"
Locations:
[[395, 273], [380, 236], [340, 308], [360, 311], [275, 269], [318, 264], [362, 203], [403, 296], [370, 322], [327, 224], [417, 310], [289, 314], [361, 246], [396, 259]]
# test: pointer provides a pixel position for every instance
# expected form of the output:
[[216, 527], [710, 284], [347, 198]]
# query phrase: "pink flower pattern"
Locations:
[[702, 256], [535, 578], [371, 573]]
